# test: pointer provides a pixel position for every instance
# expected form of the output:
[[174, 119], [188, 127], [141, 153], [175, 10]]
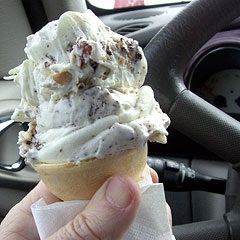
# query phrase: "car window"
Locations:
[[114, 4]]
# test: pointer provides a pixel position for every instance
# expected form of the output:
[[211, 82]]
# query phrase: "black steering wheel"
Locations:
[[168, 54]]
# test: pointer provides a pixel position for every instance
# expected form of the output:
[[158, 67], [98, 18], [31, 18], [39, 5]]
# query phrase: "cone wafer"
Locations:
[[80, 181]]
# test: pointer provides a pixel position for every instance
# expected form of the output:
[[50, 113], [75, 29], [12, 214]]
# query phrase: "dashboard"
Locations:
[[213, 72], [221, 90]]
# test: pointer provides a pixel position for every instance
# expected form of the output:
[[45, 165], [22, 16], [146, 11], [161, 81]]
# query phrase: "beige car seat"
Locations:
[[14, 28], [18, 19]]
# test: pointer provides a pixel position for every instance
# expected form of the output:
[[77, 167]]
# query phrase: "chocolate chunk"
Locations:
[[103, 45], [51, 58], [108, 51], [93, 64], [138, 56], [107, 28], [87, 49], [46, 64], [69, 47], [106, 73], [86, 52]]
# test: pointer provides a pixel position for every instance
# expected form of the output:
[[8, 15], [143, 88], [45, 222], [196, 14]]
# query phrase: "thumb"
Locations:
[[109, 213]]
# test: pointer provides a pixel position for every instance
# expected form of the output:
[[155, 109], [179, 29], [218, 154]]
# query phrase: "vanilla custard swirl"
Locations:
[[82, 93]]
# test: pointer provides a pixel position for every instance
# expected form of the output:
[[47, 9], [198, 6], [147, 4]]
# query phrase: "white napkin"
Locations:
[[151, 222]]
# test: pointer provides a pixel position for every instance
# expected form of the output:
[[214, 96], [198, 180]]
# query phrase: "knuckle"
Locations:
[[82, 227]]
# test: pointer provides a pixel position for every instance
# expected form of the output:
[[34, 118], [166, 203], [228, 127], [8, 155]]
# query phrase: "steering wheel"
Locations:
[[168, 54]]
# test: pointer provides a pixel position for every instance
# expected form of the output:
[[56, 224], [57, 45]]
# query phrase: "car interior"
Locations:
[[193, 54]]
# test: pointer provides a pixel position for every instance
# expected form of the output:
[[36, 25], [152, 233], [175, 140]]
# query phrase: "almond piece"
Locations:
[[122, 60], [62, 78], [104, 58]]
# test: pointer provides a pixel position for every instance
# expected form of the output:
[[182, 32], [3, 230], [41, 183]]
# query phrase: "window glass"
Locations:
[[112, 4]]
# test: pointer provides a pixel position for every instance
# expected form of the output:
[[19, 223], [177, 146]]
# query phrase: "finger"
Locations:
[[40, 191], [169, 214], [108, 215], [23, 223], [154, 175]]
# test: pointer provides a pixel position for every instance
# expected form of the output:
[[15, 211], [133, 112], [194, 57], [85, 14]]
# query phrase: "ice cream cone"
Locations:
[[69, 181], [89, 113]]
